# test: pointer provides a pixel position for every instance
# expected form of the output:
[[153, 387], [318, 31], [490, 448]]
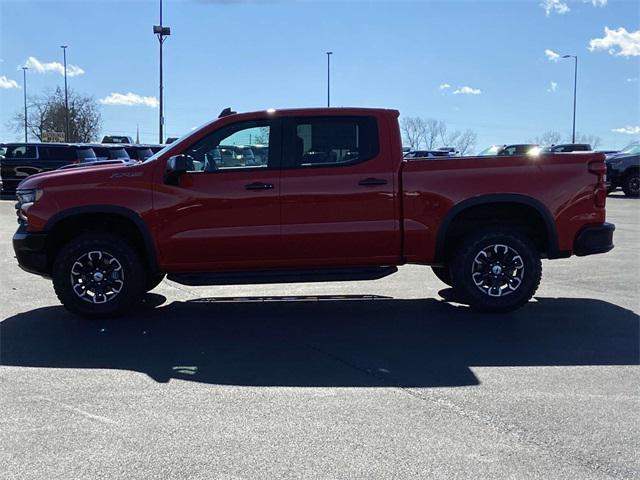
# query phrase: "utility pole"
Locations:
[[162, 33], [575, 87], [66, 96], [329, 78], [24, 86]]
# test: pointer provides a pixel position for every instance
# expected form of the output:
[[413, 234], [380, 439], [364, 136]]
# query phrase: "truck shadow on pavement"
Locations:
[[354, 341]]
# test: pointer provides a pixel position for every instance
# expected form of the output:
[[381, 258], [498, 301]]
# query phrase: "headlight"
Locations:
[[27, 197]]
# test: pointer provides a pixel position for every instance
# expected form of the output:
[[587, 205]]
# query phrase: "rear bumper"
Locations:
[[594, 239], [30, 250]]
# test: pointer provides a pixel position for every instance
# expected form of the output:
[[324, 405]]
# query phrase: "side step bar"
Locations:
[[282, 276]]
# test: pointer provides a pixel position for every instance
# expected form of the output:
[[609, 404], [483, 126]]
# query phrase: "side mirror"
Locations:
[[176, 166]]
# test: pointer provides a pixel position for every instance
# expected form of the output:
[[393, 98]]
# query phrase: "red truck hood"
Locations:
[[82, 173]]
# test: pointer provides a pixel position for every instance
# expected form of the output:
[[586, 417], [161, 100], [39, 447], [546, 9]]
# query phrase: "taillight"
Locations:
[[599, 168]]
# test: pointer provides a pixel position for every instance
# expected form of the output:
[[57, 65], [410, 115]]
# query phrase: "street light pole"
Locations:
[[66, 96], [162, 32], [24, 86], [575, 87], [329, 78]]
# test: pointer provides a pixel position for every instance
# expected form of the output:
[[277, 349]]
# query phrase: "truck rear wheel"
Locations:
[[98, 275], [631, 184], [443, 274], [496, 270]]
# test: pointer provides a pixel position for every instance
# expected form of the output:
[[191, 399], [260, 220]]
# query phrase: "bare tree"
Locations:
[[47, 114], [464, 141], [433, 133], [549, 137], [413, 131], [592, 140]]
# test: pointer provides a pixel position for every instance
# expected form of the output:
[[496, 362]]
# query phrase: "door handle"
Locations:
[[371, 182], [259, 186]]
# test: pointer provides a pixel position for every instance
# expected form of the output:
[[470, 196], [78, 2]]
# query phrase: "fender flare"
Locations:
[[551, 234], [143, 229]]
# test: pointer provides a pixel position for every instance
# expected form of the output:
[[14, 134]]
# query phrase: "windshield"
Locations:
[[633, 149]]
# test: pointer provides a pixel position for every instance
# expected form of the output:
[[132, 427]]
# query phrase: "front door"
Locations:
[[224, 214]]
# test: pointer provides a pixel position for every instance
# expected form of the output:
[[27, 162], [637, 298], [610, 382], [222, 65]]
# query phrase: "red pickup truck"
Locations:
[[327, 196]]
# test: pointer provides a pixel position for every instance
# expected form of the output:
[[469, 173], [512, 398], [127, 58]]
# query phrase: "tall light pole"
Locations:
[[329, 78], [66, 96], [24, 86], [161, 32], [575, 86]]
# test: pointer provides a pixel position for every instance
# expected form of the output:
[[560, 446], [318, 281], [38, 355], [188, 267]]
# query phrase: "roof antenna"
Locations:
[[226, 112]]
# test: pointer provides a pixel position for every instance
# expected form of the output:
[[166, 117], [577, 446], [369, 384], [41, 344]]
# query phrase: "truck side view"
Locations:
[[326, 195]]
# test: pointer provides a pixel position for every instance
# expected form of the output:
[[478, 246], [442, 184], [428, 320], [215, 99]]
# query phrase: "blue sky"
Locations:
[[256, 55]]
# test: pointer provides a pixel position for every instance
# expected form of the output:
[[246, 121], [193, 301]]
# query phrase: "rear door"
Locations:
[[338, 193], [223, 215]]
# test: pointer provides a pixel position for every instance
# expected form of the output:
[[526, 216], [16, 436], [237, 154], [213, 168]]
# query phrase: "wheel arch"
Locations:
[[503, 202], [65, 224]]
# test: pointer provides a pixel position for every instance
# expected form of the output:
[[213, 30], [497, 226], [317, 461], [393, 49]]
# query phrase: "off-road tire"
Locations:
[[134, 275], [631, 184], [466, 260]]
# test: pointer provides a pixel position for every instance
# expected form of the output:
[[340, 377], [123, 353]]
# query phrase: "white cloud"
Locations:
[[555, 6], [632, 79], [444, 86], [629, 130], [551, 55], [8, 83], [37, 66], [553, 86], [467, 91], [129, 99], [598, 3], [627, 43]]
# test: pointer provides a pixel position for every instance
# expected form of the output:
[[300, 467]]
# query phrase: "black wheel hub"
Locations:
[[97, 277], [497, 270], [634, 185]]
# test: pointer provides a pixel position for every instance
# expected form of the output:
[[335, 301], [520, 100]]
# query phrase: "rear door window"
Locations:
[[332, 141]]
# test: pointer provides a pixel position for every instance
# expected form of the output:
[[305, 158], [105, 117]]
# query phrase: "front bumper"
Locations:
[[30, 250], [594, 239]]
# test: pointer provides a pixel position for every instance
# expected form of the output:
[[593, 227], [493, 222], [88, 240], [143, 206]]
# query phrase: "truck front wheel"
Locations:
[[496, 270], [98, 275]]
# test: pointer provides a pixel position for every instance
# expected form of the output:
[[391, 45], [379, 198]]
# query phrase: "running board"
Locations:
[[282, 276]]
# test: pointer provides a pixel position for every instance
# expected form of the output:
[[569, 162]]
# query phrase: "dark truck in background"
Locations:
[[623, 170], [21, 160], [333, 200]]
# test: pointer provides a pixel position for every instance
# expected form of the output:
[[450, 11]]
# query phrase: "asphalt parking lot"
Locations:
[[378, 379]]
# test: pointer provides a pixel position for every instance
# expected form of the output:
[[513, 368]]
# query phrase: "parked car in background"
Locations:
[[24, 159], [117, 139], [568, 147], [108, 152], [519, 149], [491, 151], [452, 151], [156, 148], [623, 170], [426, 154], [138, 152]]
